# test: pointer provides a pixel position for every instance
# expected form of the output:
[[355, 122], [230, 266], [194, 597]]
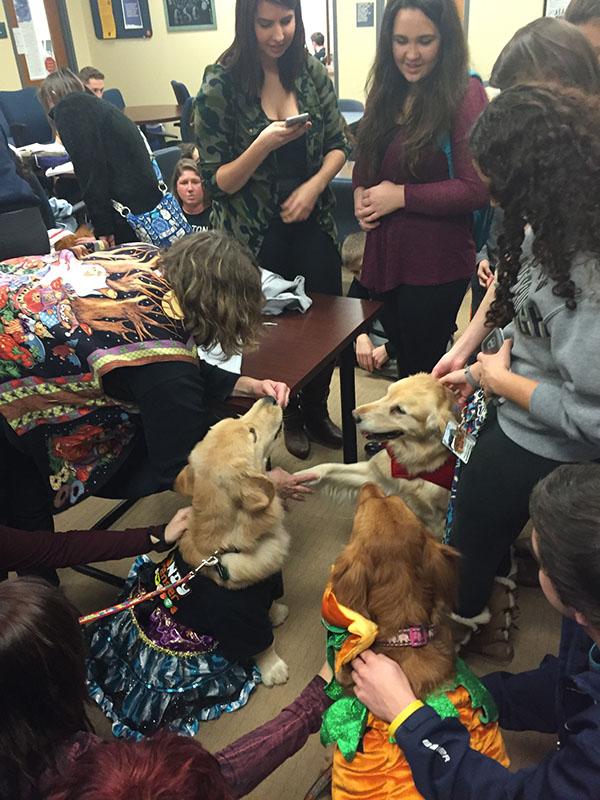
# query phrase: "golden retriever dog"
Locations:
[[411, 420], [396, 575], [237, 513]]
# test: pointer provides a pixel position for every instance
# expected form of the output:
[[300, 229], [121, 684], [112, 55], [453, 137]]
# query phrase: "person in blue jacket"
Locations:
[[561, 696]]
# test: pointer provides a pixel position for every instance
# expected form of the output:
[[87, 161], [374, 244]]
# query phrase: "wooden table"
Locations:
[[150, 115], [296, 346]]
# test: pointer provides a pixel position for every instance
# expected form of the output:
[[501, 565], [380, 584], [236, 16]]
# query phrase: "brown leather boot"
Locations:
[[294, 434]]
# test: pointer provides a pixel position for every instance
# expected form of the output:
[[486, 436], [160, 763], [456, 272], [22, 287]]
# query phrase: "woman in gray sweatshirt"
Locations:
[[539, 148]]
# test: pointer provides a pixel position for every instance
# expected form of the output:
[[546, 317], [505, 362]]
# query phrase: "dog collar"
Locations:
[[414, 636], [442, 476]]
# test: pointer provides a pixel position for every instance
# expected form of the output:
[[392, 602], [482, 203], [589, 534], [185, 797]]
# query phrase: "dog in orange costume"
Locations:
[[391, 590]]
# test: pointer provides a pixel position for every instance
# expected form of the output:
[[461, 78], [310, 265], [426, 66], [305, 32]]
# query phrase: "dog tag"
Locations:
[[458, 441]]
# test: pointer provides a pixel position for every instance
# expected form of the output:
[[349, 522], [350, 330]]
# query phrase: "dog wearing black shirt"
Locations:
[[238, 515]]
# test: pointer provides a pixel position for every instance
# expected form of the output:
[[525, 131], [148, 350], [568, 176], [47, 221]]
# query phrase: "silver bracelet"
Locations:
[[470, 379]]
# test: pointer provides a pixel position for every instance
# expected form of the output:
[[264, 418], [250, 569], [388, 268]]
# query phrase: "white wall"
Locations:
[[492, 24]]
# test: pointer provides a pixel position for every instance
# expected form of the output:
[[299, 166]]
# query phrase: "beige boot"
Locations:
[[494, 639]]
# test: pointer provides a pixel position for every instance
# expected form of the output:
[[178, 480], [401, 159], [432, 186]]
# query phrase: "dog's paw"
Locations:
[[273, 669], [276, 674], [318, 471], [278, 614]]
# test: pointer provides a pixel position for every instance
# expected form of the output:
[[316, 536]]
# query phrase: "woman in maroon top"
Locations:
[[419, 253]]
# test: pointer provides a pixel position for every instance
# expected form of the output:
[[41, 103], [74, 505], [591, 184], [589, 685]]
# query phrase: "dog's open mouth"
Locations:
[[384, 436]]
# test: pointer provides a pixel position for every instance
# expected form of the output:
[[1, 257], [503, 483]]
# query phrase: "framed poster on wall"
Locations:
[[121, 19], [555, 8], [190, 15]]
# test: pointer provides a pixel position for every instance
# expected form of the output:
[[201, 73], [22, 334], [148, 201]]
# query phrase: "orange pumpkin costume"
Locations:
[[366, 763]]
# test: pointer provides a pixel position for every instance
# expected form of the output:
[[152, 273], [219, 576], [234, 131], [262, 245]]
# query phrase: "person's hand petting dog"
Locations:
[[251, 387], [381, 685], [173, 530], [292, 487]]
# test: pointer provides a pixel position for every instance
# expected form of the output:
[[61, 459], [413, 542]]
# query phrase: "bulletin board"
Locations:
[[121, 19]]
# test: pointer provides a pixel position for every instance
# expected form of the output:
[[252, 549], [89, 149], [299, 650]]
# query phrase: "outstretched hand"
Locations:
[[292, 487]]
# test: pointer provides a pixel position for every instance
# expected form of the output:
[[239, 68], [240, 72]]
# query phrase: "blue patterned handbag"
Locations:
[[165, 223]]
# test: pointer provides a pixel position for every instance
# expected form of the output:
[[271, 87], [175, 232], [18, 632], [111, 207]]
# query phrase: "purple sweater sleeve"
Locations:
[[250, 759], [39, 549], [465, 192]]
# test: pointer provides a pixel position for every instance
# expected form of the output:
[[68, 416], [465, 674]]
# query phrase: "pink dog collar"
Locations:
[[415, 636]]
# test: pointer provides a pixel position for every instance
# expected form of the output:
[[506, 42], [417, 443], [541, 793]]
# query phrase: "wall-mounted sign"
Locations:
[[365, 15], [190, 15], [3, 31], [121, 19]]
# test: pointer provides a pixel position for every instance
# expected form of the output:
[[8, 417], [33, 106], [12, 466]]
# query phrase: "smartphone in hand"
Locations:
[[299, 119], [493, 341]]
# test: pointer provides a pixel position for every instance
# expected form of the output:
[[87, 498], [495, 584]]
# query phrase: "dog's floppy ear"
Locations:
[[440, 568], [256, 493], [350, 584], [184, 482]]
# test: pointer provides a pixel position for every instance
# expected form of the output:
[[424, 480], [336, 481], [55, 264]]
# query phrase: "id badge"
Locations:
[[458, 441]]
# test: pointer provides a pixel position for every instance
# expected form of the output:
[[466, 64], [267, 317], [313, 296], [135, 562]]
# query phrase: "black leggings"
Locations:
[[492, 507], [303, 248], [419, 321]]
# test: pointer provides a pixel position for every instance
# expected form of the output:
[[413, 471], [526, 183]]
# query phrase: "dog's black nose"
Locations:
[[356, 417], [270, 400]]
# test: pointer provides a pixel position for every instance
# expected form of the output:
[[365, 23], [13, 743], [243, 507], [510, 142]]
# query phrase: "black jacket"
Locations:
[[109, 157], [561, 696]]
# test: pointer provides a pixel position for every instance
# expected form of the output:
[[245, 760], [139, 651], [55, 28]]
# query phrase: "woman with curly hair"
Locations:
[[538, 147], [416, 207]]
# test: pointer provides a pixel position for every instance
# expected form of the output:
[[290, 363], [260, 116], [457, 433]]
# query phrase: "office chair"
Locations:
[[115, 98], [25, 116], [187, 132], [166, 159], [23, 233], [181, 92], [350, 105]]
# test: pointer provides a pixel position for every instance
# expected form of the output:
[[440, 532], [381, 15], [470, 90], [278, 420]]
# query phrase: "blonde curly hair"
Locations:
[[218, 287]]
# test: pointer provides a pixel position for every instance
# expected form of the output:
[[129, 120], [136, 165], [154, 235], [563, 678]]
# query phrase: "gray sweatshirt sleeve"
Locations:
[[571, 403]]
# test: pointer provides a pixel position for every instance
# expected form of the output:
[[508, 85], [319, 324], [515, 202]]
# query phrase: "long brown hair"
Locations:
[[434, 100], [242, 57], [539, 145], [548, 49], [58, 85], [42, 680], [218, 288]]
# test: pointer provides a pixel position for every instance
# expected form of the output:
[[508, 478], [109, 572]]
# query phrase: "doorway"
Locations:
[[41, 38]]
